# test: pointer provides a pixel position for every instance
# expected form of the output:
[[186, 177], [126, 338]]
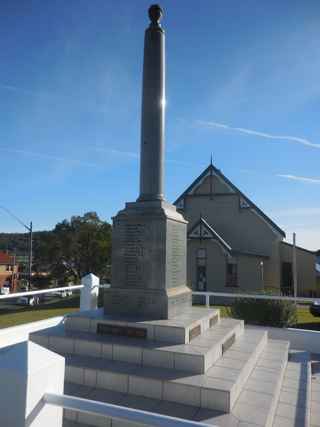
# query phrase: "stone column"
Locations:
[[153, 105], [149, 237]]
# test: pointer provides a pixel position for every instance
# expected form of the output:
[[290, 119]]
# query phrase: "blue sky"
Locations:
[[242, 83]]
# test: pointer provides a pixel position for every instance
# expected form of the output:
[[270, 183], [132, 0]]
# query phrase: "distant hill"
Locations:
[[18, 243]]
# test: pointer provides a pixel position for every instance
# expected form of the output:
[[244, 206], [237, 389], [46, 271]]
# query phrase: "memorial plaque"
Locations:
[[194, 332], [228, 343], [133, 252], [121, 331]]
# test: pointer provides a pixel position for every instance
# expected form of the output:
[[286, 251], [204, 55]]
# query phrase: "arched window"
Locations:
[[201, 270]]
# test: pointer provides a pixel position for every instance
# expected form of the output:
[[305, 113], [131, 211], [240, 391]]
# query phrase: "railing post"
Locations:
[[207, 301], [27, 372], [89, 292]]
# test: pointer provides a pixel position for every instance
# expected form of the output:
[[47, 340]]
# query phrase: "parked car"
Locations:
[[5, 290], [28, 300], [62, 294], [315, 308]]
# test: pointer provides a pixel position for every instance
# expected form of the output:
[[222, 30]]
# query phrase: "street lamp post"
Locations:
[[29, 228]]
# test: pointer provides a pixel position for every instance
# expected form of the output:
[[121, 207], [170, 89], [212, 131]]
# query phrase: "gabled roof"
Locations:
[[202, 230], [299, 248], [213, 170]]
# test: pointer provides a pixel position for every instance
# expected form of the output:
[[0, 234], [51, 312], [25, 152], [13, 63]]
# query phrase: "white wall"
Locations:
[[300, 339], [17, 334]]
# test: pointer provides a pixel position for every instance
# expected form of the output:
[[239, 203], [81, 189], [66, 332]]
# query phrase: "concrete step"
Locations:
[[259, 397], [178, 330], [295, 396], [196, 357], [217, 389]]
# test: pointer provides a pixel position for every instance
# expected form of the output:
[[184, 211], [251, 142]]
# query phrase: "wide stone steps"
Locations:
[[217, 389], [255, 406], [196, 357], [294, 405], [259, 397]]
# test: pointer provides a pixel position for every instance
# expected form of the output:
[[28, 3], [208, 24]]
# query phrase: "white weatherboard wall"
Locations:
[[27, 372], [17, 334]]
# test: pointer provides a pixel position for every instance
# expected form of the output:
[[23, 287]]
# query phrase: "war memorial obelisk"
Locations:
[[149, 235]]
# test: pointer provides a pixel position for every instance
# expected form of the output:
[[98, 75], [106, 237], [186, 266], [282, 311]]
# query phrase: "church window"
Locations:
[[201, 270], [232, 273]]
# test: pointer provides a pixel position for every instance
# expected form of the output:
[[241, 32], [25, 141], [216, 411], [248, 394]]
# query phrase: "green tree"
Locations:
[[76, 247]]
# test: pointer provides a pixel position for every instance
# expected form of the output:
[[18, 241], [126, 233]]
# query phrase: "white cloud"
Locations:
[[300, 178], [292, 139]]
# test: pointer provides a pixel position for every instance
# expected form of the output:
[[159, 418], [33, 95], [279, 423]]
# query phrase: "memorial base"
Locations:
[[148, 262], [148, 303]]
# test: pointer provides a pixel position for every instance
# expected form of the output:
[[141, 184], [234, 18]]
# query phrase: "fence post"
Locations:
[[89, 292], [207, 301], [27, 372]]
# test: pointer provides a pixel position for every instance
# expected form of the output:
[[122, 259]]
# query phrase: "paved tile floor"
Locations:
[[315, 392]]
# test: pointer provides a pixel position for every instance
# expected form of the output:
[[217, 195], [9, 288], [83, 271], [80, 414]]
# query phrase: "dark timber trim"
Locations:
[[212, 169]]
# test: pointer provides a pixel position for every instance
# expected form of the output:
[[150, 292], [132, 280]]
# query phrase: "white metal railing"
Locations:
[[207, 296], [42, 291], [117, 412], [49, 291]]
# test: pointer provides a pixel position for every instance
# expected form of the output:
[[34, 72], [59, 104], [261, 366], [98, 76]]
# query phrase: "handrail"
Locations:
[[117, 412], [49, 291], [43, 291], [255, 296]]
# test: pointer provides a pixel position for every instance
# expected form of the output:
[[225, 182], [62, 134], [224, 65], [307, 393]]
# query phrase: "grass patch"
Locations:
[[306, 320], [22, 315], [15, 319], [61, 307]]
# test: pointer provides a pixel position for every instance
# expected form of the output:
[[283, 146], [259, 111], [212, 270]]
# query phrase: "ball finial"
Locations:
[[155, 14]]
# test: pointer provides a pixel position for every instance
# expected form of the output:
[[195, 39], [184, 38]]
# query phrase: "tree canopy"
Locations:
[[76, 247]]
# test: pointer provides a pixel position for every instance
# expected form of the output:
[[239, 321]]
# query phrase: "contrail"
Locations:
[[300, 178], [48, 157], [294, 139], [13, 88]]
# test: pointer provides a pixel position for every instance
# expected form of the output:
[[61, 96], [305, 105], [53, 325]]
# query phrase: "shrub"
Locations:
[[265, 312]]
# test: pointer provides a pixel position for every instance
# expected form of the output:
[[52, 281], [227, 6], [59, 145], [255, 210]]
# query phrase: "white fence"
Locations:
[[299, 339], [207, 296]]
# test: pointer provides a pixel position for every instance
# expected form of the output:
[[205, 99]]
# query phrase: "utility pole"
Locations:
[[13, 275], [294, 268], [30, 255], [29, 229]]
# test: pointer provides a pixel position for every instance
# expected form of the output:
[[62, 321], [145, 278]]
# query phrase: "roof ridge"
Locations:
[[236, 189]]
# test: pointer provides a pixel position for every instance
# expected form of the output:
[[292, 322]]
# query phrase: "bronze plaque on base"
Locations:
[[121, 331], [195, 332], [228, 343]]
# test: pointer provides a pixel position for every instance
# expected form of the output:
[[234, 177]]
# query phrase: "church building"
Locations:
[[234, 246]]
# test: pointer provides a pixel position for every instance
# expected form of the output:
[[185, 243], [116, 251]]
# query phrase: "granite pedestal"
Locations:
[[148, 262]]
